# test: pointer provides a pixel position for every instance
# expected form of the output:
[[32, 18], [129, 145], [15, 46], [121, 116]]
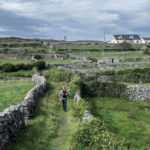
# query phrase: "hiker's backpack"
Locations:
[[64, 94]]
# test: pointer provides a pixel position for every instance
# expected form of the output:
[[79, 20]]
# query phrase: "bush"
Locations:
[[93, 135], [12, 68], [59, 76], [20, 67], [94, 88], [145, 50], [8, 68], [125, 46], [80, 108], [92, 59], [40, 64], [76, 86], [37, 56], [5, 49]]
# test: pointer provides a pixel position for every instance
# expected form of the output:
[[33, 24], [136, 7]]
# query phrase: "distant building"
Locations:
[[131, 38], [145, 40]]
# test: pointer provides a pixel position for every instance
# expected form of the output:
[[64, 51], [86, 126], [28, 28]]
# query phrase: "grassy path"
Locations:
[[51, 129]]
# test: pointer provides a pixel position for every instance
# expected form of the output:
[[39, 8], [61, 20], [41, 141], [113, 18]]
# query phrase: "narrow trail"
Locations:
[[51, 128], [58, 142]]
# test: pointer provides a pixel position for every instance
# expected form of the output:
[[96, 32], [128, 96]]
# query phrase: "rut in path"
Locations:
[[64, 133]]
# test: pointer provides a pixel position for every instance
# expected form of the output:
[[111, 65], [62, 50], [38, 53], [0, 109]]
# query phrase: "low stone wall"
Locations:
[[116, 65], [124, 78], [106, 53], [117, 90], [137, 92], [87, 72], [134, 59], [16, 50], [5, 78], [73, 66], [15, 56], [12, 119], [29, 56]]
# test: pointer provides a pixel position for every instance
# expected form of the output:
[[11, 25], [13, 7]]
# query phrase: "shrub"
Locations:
[[8, 68], [93, 135], [40, 64], [94, 88], [37, 56], [92, 59], [76, 86], [125, 46], [19, 67], [5, 49], [25, 50], [145, 50], [59, 76], [80, 108]]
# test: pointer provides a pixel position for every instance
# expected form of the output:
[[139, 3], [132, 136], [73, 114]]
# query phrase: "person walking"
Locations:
[[63, 95]]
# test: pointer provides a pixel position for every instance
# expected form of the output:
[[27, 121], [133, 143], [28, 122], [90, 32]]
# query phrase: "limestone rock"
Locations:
[[77, 98], [87, 115]]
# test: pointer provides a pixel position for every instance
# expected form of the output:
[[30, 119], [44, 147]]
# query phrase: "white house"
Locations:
[[131, 38], [146, 40]]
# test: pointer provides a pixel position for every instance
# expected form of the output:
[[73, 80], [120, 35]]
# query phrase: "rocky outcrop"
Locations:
[[77, 98], [12, 119], [87, 115]]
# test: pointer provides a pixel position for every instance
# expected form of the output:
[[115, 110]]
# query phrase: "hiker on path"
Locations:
[[63, 97]]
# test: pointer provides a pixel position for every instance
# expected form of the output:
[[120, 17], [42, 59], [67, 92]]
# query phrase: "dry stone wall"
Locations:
[[116, 65], [12, 119], [138, 92], [5, 78]]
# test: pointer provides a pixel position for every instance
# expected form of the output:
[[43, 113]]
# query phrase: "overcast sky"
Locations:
[[78, 20]]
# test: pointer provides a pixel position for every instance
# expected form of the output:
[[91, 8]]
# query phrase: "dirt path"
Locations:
[[60, 142]]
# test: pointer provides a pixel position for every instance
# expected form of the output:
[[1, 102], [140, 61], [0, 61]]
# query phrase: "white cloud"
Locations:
[[81, 16], [4, 29]]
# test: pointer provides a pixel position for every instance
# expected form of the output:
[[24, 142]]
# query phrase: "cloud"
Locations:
[[79, 19]]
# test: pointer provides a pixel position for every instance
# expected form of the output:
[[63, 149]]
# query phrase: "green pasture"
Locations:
[[12, 92], [126, 119]]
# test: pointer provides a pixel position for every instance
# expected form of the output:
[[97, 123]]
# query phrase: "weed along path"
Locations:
[[51, 128]]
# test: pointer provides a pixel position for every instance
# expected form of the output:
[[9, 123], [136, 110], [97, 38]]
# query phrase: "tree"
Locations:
[[125, 46]]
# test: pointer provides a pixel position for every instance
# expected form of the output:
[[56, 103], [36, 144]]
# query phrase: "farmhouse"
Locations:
[[131, 38], [145, 40]]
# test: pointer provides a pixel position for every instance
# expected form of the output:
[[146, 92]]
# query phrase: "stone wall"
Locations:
[[12, 119], [73, 66], [107, 53], [17, 50], [16, 44], [86, 72], [5, 78], [116, 65], [137, 92], [29, 56], [125, 78]]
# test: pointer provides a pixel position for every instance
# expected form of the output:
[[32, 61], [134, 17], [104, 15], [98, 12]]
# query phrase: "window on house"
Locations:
[[120, 37], [131, 37]]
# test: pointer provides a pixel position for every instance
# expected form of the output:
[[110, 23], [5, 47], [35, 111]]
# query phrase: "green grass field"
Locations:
[[21, 73], [61, 61], [12, 92], [13, 61], [127, 119], [99, 57]]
